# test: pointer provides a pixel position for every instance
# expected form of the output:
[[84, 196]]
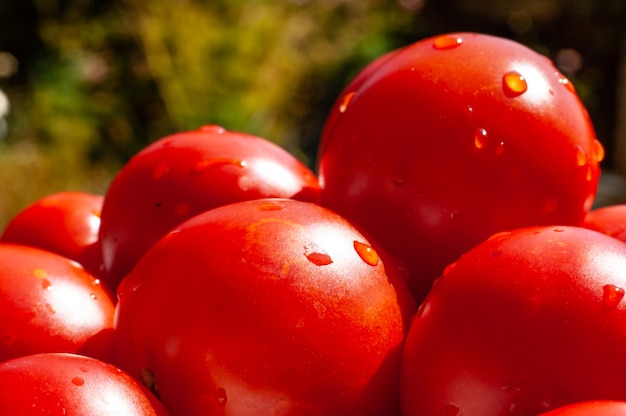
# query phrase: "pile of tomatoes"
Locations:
[[444, 259]]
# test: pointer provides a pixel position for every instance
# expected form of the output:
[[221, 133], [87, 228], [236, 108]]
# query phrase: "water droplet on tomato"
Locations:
[[450, 410], [50, 308], [345, 101], [220, 396], [447, 42], [514, 84], [581, 156], [565, 82], [598, 150], [212, 128], [78, 381], [480, 138], [271, 206], [161, 170], [400, 174], [316, 255], [40, 273], [210, 163], [611, 297], [366, 253], [46, 284], [93, 296], [422, 310]]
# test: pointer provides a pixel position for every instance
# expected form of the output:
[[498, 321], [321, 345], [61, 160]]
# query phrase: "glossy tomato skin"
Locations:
[[455, 138], [49, 303], [609, 220], [590, 408], [66, 223], [70, 384], [271, 306], [184, 174], [524, 322]]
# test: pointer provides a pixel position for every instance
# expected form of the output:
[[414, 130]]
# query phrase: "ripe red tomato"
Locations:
[[452, 139], [524, 322], [591, 408], [65, 223], [185, 174], [272, 306], [610, 220], [49, 303], [69, 384]]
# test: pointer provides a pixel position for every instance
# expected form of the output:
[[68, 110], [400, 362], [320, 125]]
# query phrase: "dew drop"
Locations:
[[366, 253], [40, 273], [220, 396], [611, 296], [78, 381], [566, 82], [447, 42], [92, 296], [422, 310], [480, 138], [598, 150], [581, 156], [514, 84], [212, 128], [46, 284], [345, 101], [450, 410], [271, 206], [210, 163], [316, 255], [161, 170], [50, 308]]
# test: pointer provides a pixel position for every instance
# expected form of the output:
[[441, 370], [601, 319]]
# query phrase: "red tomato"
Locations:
[[69, 384], [524, 322], [49, 303], [592, 408], [273, 306], [65, 223], [455, 138], [610, 220], [185, 174]]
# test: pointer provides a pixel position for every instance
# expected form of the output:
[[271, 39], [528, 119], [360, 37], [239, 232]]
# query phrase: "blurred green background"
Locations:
[[85, 84]]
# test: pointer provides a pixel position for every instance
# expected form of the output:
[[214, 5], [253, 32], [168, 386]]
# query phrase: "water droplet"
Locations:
[[480, 138], [345, 101], [514, 84], [450, 410], [96, 281], [565, 82], [46, 284], [611, 296], [316, 255], [271, 206], [400, 174], [161, 170], [50, 308], [598, 150], [93, 296], [214, 162], [366, 253], [422, 310], [455, 214], [447, 42], [581, 156], [212, 128], [78, 381], [220, 396], [40, 273]]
